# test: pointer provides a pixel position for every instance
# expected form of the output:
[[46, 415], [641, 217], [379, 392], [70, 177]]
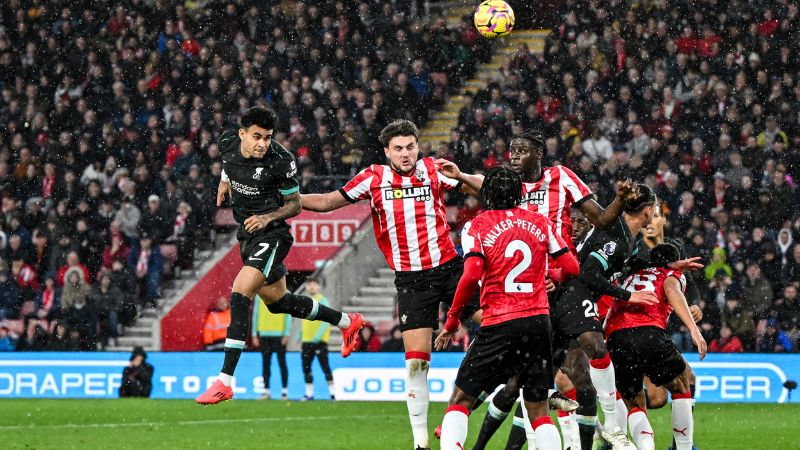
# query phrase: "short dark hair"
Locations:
[[262, 117], [663, 254], [645, 197], [534, 135], [313, 280], [399, 127], [502, 188]]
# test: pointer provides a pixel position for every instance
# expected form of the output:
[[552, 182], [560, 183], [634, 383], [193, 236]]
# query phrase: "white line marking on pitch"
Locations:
[[186, 422]]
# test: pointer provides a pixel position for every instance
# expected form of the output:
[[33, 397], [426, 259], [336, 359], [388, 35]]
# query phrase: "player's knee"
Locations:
[[504, 399], [656, 398], [538, 408], [512, 386], [594, 346], [578, 372], [681, 384], [461, 398]]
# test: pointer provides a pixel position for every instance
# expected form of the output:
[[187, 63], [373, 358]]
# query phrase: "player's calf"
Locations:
[[576, 368], [498, 410], [655, 396], [304, 307]]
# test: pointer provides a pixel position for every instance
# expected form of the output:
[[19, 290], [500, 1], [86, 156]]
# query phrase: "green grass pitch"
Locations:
[[179, 424]]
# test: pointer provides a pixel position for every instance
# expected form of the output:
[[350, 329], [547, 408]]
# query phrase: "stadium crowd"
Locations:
[[110, 113], [700, 102], [111, 110]]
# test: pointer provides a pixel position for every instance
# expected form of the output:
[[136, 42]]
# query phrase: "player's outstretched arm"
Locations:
[[323, 202], [471, 184], [473, 271], [568, 267], [600, 217], [592, 276], [677, 300], [291, 207]]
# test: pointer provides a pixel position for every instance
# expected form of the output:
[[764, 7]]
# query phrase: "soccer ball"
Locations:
[[494, 18]]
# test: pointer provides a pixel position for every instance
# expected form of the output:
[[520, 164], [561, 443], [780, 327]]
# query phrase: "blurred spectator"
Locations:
[[153, 222], [7, 341], [60, 339], [137, 378], [78, 313], [184, 229], [147, 264], [726, 342], [717, 264], [10, 295], [49, 300], [216, 325], [756, 292], [471, 209], [461, 340], [270, 334], [367, 340], [34, 336], [128, 217], [395, 341], [739, 319], [72, 262], [786, 310], [115, 250], [775, 340], [314, 336], [107, 301], [122, 278]]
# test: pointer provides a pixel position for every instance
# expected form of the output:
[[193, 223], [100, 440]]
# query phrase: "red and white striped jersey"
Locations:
[[408, 214], [553, 196]]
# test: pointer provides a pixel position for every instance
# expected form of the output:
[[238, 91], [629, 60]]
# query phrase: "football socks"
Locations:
[[417, 396], [454, 427], [602, 372]]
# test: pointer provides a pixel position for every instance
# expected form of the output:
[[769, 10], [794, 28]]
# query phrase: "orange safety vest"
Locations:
[[216, 327]]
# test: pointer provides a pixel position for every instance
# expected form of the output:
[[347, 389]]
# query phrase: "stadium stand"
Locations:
[[102, 112]]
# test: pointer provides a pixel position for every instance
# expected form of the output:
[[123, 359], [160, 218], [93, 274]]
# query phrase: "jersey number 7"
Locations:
[[264, 247]]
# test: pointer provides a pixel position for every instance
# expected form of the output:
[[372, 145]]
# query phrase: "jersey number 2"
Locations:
[[511, 285]]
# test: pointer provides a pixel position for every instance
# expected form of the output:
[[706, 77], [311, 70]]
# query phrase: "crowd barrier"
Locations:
[[721, 378]]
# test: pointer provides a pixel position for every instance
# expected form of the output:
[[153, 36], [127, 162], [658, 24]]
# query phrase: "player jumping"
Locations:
[[408, 213], [553, 192], [506, 251], [640, 346], [260, 176], [653, 235]]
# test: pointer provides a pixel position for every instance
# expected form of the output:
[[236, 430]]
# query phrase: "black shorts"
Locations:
[[271, 344], [266, 251], [641, 351], [573, 312], [420, 293], [517, 347]]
